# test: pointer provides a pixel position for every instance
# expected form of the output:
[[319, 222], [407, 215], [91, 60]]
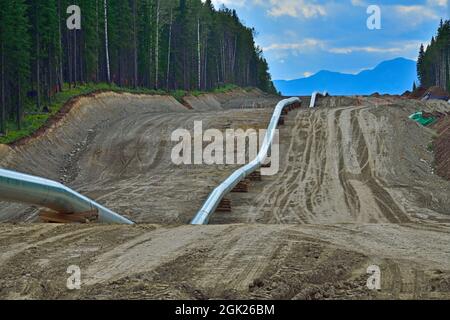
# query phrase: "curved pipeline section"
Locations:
[[23, 188], [213, 201], [314, 98]]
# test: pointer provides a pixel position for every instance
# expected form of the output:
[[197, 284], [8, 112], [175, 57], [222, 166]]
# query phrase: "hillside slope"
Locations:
[[116, 148]]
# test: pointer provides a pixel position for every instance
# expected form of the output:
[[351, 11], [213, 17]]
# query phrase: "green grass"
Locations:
[[33, 120], [179, 95], [226, 88]]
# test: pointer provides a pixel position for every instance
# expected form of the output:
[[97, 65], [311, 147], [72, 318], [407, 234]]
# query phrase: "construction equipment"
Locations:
[[422, 119]]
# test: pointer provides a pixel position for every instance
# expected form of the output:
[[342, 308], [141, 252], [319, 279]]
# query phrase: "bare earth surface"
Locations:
[[356, 188]]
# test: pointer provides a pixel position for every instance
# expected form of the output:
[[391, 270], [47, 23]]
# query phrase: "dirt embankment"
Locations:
[[442, 148], [236, 99], [116, 149]]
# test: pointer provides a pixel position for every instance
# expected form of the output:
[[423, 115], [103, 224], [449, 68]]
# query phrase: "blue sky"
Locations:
[[302, 37]]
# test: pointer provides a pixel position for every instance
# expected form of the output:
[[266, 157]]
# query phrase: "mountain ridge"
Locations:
[[388, 77]]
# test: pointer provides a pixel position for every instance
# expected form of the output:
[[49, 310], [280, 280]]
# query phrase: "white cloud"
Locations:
[[228, 3], [296, 9], [407, 49], [416, 14], [348, 50], [302, 46], [276, 8], [358, 3], [440, 3]]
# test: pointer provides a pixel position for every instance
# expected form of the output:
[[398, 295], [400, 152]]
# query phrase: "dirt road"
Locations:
[[356, 188]]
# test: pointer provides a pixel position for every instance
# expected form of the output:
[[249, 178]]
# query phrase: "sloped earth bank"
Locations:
[[441, 147], [116, 149], [356, 188]]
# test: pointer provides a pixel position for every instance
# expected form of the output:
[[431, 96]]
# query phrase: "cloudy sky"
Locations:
[[301, 37]]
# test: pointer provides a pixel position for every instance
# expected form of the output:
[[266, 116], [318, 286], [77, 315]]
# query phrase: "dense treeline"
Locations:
[[433, 65], [157, 44]]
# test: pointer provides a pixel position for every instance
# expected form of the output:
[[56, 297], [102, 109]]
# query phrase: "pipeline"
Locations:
[[213, 201], [314, 98], [23, 188]]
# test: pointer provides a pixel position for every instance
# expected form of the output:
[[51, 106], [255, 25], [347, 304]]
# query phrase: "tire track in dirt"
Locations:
[[225, 261], [272, 202], [330, 171], [351, 197], [237, 259], [19, 248], [382, 197]]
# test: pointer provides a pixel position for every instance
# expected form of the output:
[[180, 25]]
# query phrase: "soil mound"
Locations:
[[442, 148], [418, 93], [406, 94], [204, 102], [436, 93]]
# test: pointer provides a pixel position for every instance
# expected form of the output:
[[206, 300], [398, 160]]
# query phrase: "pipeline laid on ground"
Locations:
[[23, 188], [213, 201], [314, 98]]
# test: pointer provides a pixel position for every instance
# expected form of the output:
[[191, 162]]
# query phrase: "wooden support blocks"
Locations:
[[242, 186], [281, 121], [224, 205], [56, 217], [266, 165], [255, 176], [295, 105]]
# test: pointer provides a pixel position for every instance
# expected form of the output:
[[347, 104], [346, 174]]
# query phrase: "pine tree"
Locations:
[[15, 58], [171, 44], [421, 65], [433, 66]]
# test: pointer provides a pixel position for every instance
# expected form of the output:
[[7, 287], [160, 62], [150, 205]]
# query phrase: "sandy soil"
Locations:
[[356, 188], [441, 147], [225, 261], [359, 161], [116, 149]]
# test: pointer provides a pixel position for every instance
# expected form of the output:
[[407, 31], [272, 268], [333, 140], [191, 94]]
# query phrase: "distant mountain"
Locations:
[[389, 77]]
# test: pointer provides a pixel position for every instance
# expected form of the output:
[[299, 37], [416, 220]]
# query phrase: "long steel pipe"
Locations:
[[213, 201], [23, 188], [314, 98]]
